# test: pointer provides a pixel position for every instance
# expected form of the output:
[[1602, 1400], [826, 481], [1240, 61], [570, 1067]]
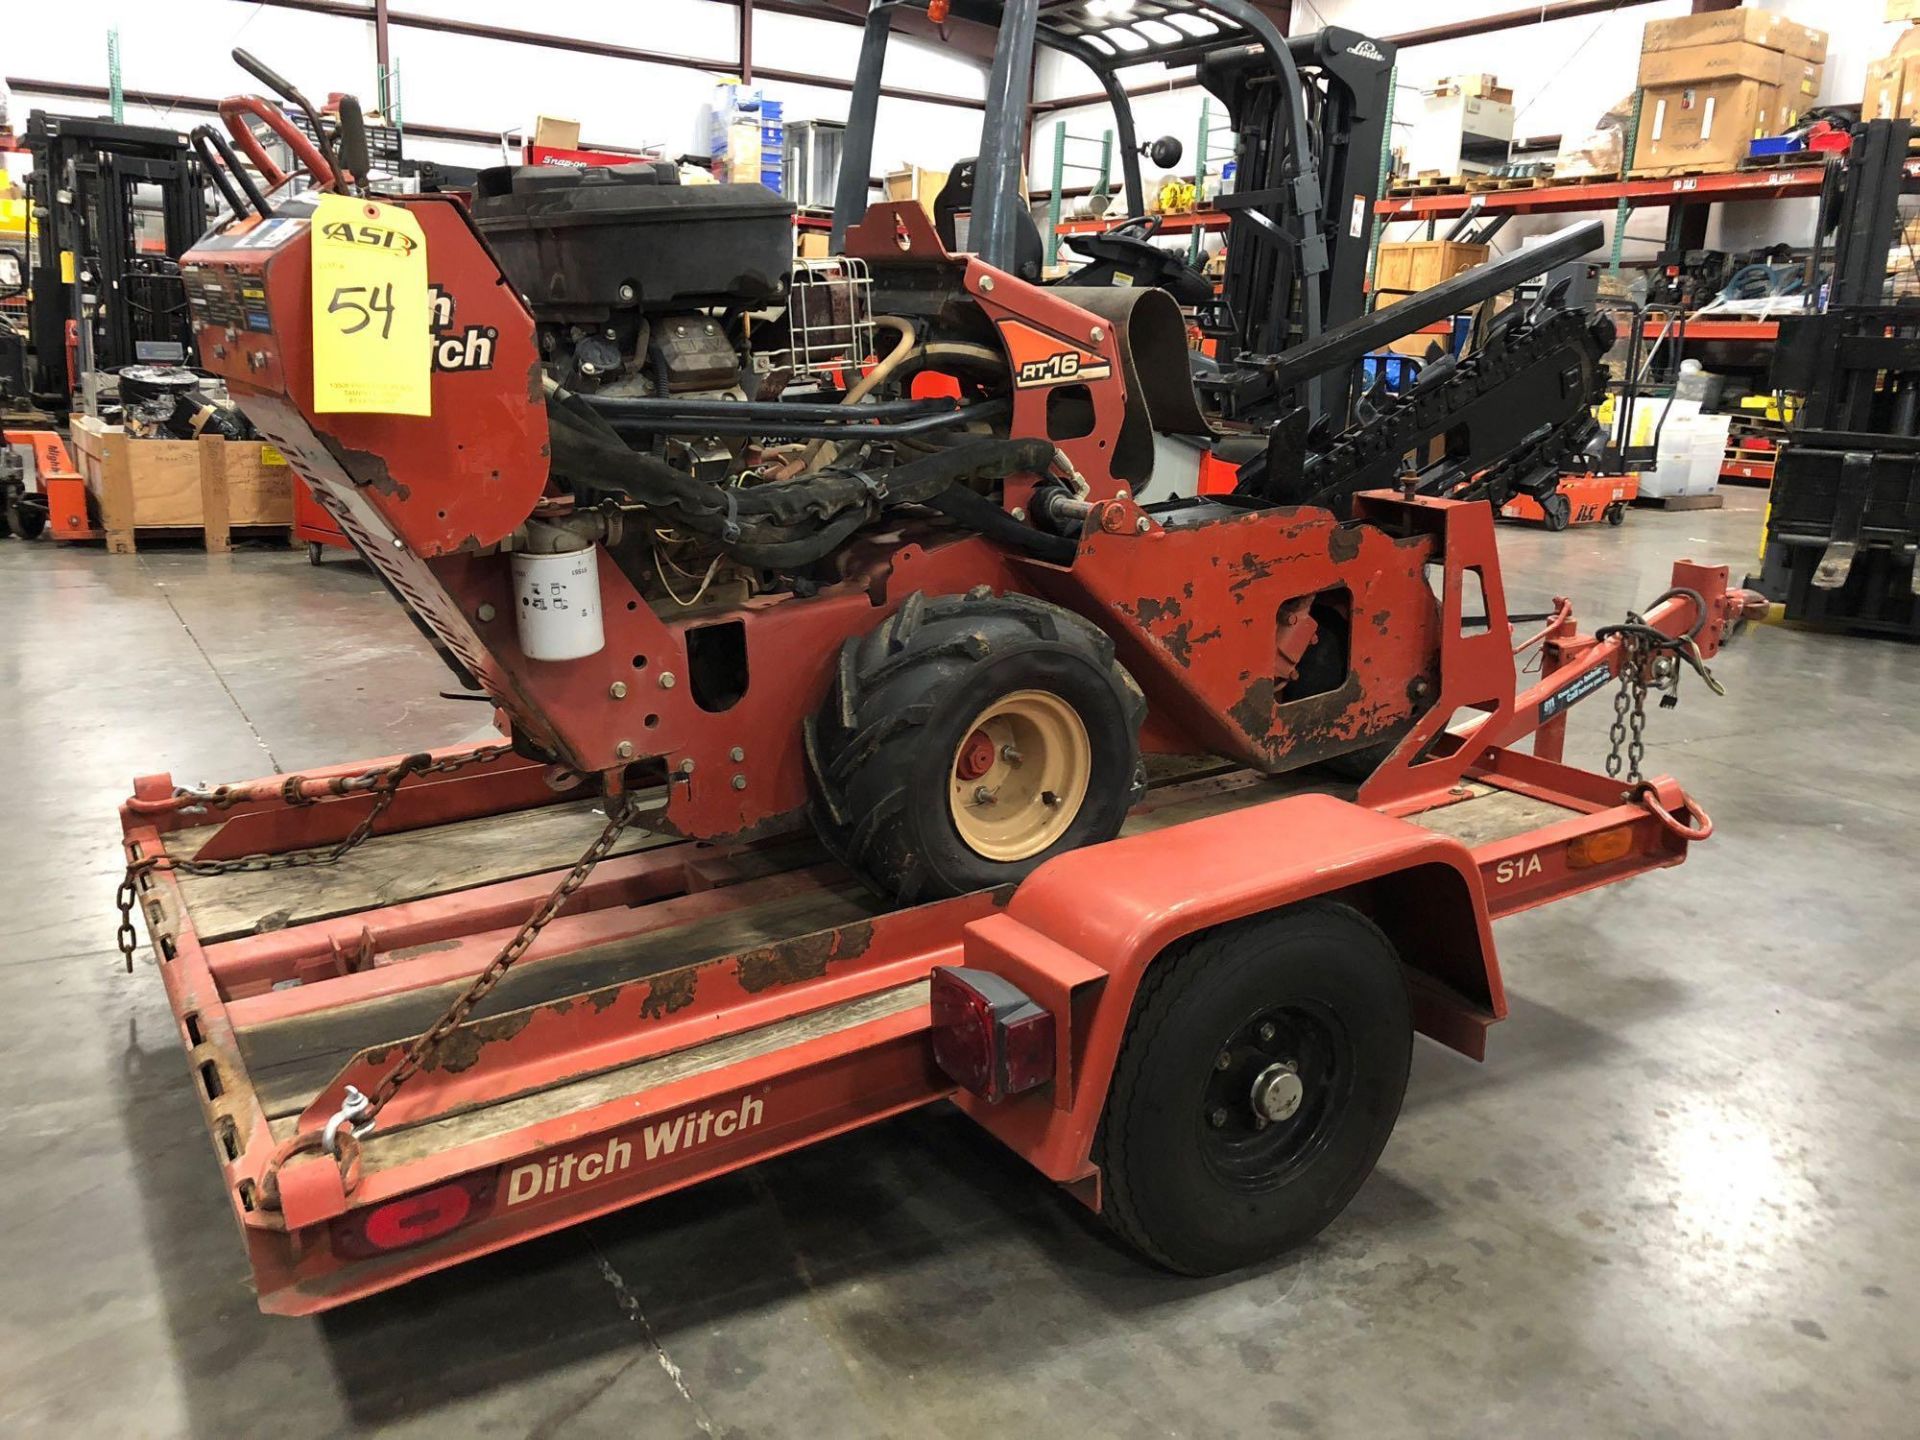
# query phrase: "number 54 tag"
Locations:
[[372, 323]]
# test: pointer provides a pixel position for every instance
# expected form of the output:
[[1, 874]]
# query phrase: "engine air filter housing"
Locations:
[[584, 243]]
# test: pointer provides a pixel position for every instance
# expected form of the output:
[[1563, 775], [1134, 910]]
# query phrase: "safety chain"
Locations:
[[1650, 660], [383, 784], [1629, 728], [343, 1132]]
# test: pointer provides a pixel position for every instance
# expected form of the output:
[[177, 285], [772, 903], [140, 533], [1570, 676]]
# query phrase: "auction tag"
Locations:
[[372, 321]]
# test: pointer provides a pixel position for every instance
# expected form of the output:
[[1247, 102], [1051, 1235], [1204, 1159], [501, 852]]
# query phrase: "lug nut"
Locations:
[[1224, 1060], [1009, 754], [982, 795], [1267, 1032]]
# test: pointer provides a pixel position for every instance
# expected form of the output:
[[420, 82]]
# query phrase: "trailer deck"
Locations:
[[694, 1009]]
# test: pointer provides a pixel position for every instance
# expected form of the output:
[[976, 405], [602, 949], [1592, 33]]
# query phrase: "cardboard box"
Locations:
[[1740, 60], [555, 133], [1707, 126], [1479, 87], [1721, 27], [1893, 88], [1456, 134]]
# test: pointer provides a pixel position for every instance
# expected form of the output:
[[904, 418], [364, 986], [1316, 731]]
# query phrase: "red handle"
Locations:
[[235, 107]]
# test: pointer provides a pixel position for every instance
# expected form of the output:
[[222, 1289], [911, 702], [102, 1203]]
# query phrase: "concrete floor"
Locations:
[[1679, 1199]]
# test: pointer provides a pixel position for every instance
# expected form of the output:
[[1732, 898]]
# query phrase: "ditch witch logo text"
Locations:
[[538, 1179]]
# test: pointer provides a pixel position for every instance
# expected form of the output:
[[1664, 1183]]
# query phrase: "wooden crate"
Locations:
[[1407, 267], [915, 183], [208, 486]]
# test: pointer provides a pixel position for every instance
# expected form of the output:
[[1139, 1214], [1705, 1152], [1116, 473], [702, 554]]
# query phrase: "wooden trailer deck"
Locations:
[[658, 905]]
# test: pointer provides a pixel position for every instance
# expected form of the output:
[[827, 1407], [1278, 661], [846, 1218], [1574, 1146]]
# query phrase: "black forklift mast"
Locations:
[[85, 264], [1843, 528], [1309, 116]]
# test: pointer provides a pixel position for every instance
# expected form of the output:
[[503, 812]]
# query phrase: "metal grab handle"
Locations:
[[234, 108], [1650, 798]]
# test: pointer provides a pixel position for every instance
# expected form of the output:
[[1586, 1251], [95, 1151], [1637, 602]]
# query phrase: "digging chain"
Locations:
[[383, 784]]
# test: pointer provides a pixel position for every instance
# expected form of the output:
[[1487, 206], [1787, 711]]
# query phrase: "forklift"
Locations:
[[1843, 519], [116, 206]]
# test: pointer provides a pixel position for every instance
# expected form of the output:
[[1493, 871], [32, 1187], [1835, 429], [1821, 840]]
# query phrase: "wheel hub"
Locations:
[[1277, 1092], [1019, 777], [1273, 1094]]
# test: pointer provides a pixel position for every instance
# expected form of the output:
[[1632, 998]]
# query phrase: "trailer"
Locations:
[[1201, 1029]]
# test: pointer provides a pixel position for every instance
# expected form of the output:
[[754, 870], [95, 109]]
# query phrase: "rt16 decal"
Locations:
[[1041, 359]]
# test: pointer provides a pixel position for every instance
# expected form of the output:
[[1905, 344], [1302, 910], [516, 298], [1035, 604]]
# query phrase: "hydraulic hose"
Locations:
[[784, 524]]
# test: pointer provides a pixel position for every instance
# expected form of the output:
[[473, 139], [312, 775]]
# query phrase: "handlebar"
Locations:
[[233, 110]]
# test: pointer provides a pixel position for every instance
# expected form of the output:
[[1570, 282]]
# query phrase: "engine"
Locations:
[[693, 366]]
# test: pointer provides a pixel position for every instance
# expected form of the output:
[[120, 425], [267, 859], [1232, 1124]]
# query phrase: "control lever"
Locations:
[[351, 141]]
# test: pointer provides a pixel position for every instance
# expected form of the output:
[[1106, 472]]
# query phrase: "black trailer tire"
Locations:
[[1555, 512], [1191, 1177], [908, 706]]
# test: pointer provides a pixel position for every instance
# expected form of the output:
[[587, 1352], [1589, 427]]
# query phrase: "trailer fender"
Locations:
[[1080, 932]]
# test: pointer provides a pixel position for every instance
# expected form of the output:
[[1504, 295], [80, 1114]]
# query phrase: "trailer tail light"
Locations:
[[1600, 847], [412, 1219], [987, 1035]]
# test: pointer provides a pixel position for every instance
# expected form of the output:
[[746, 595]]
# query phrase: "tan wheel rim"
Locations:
[[1019, 775]]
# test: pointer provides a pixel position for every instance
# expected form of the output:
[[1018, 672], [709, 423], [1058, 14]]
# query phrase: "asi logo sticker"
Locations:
[[381, 237], [1041, 358]]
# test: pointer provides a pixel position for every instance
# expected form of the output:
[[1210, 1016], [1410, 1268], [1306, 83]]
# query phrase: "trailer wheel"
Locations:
[[969, 738], [1256, 1086]]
